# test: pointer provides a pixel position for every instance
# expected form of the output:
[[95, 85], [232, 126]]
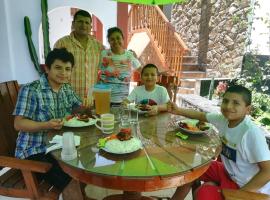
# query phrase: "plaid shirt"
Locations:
[[87, 61], [38, 102]]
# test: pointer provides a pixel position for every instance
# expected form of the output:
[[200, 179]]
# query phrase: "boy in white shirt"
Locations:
[[153, 96], [245, 155]]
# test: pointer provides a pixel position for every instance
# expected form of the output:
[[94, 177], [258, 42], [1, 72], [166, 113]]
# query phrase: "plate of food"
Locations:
[[78, 120], [121, 143], [193, 126]]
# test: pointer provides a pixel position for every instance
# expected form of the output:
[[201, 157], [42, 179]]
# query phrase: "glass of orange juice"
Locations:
[[102, 97]]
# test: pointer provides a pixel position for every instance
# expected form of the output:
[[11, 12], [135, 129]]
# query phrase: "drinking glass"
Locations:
[[133, 114], [116, 110], [69, 151], [125, 116]]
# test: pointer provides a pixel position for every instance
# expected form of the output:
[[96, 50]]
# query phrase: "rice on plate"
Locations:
[[121, 147]]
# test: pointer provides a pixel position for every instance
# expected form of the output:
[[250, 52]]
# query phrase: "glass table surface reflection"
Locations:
[[165, 160]]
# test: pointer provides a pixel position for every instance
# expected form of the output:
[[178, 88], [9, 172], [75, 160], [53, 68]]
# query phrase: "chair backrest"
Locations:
[[19, 180], [8, 135], [170, 83], [230, 194]]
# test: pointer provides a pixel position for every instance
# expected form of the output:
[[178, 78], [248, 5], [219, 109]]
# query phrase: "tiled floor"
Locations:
[[99, 193]]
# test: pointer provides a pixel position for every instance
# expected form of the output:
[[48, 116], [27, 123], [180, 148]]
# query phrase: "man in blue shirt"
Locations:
[[41, 106]]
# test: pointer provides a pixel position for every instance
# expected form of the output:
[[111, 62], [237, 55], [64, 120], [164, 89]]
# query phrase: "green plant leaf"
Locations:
[[31, 47], [265, 121], [45, 27]]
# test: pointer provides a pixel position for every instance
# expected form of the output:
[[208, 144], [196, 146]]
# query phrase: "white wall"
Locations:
[[260, 36], [15, 61], [60, 22], [5, 60]]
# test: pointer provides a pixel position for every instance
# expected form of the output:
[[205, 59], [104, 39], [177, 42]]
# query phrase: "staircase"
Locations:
[[170, 49], [190, 73]]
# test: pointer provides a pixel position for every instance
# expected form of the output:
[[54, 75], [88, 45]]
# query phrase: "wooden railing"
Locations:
[[171, 47]]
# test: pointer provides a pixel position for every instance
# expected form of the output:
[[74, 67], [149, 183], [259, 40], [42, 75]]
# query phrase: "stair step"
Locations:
[[190, 59], [185, 90], [193, 66], [190, 67], [189, 79], [193, 74], [188, 83]]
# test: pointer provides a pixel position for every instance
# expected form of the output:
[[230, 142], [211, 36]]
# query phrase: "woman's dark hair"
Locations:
[[61, 54], [149, 66], [243, 91], [112, 30], [82, 13]]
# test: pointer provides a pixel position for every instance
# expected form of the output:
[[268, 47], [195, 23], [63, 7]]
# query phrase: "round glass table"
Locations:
[[165, 161]]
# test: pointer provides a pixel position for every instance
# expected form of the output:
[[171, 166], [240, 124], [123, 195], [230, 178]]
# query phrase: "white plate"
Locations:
[[133, 107], [122, 147], [192, 122], [74, 122]]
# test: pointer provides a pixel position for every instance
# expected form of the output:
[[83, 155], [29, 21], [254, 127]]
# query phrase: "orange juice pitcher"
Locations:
[[102, 98]]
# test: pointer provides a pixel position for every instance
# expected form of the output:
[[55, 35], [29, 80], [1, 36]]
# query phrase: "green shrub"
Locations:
[[255, 76]]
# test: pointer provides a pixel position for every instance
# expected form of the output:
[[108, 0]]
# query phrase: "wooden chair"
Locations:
[[19, 180], [243, 195], [170, 82], [166, 80]]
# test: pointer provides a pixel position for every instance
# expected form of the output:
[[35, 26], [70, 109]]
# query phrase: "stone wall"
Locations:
[[228, 28]]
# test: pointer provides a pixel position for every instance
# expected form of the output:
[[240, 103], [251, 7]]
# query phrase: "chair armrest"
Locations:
[[243, 195], [26, 165]]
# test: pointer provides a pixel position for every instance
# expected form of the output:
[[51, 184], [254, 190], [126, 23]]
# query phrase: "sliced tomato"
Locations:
[[68, 117], [111, 137], [126, 130]]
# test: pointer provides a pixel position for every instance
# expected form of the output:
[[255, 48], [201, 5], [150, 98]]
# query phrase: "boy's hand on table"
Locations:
[[153, 110], [55, 124], [172, 107]]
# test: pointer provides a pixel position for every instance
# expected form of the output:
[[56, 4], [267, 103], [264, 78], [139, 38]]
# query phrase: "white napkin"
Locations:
[[57, 139]]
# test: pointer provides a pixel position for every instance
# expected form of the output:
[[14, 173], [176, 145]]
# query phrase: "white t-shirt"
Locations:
[[139, 94], [242, 148]]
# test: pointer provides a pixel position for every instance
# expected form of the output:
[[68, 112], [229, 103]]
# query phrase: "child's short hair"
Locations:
[[61, 54], [150, 66], [243, 91]]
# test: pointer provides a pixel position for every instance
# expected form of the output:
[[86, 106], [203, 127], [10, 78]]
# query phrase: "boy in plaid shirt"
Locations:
[[41, 106]]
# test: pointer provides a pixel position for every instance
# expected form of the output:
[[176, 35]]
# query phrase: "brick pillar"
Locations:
[[97, 27], [122, 20]]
